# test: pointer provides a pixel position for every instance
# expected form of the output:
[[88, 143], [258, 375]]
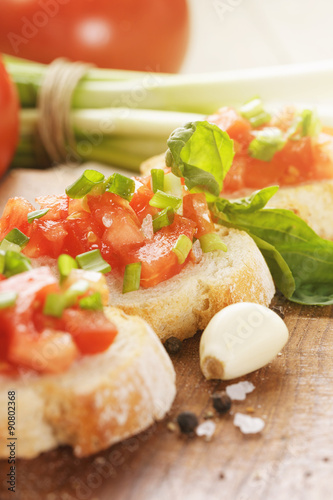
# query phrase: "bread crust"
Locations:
[[100, 400], [185, 303]]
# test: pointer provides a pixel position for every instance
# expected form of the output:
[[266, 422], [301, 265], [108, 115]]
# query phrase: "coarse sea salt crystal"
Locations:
[[238, 391], [206, 429], [147, 227], [248, 424]]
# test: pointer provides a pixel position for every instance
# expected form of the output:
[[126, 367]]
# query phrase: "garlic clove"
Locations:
[[239, 339]]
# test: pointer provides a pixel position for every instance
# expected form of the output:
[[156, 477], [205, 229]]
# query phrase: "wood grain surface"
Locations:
[[292, 458]]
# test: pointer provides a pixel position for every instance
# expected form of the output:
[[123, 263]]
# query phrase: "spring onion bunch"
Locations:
[[124, 117]]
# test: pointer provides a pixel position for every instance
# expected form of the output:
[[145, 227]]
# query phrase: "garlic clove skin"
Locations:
[[239, 339]]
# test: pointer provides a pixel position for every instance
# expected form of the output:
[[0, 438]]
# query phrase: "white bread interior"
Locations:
[[101, 399]]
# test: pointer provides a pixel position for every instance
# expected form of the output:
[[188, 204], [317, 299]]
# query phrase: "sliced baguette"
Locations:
[[100, 400], [185, 303], [312, 202]]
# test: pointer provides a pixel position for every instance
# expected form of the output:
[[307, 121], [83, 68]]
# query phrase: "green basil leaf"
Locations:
[[201, 153], [284, 238], [248, 205]]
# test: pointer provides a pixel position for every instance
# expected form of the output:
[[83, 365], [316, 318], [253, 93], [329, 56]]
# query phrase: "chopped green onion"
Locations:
[[132, 277], [157, 179], [164, 218], [164, 200], [2, 261], [55, 304], [7, 299], [16, 237], [83, 185], [268, 141], [93, 301], [182, 248], [65, 264], [254, 112], [8, 246], [16, 263], [37, 214], [78, 288], [310, 124], [173, 185], [210, 242], [260, 119], [93, 261], [122, 186]]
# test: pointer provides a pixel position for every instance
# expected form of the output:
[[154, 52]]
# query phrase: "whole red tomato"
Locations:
[[126, 34], [9, 119]]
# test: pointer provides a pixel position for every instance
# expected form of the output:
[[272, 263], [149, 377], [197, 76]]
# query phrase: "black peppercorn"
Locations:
[[187, 422], [221, 402], [173, 345]]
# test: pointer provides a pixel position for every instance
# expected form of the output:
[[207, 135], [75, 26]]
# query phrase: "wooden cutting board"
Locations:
[[292, 458]]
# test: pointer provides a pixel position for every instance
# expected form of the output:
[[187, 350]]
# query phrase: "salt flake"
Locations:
[[238, 391], [248, 424], [206, 429]]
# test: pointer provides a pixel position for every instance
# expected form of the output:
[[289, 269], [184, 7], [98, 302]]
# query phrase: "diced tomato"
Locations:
[[92, 331], [140, 203], [15, 214], [105, 206], [122, 234], [159, 262], [57, 204], [229, 120], [43, 343], [46, 238], [195, 207]]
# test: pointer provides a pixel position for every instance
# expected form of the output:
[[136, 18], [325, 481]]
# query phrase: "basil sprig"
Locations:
[[300, 261]]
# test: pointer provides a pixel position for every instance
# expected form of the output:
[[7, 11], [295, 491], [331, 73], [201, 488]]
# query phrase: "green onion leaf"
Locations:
[[82, 186], [16, 237], [173, 185], [310, 124], [254, 112], [211, 242], [182, 248], [164, 200], [132, 277], [65, 264], [7, 299], [93, 301], [2, 261], [55, 304], [37, 214], [157, 179], [16, 263], [268, 141], [122, 186], [164, 218], [93, 261], [78, 288]]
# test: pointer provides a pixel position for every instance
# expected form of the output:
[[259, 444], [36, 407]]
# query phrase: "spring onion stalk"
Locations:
[[173, 185], [37, 214], [164, 200], [122, 186], [211, 242], [65, 265], [132, 277], [124, 117], [2, 261], [157, 179], [182, 248], [16, 237], [164, 218], [268, 141], [92, 302], [93, 261]]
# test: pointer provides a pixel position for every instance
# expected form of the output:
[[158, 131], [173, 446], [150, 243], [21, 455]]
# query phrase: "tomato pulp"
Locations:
[[9, 122], [303, 160], [146, 35], [121, 230]]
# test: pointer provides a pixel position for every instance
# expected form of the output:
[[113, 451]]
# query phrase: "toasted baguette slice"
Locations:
[[185, 303], [100, 400], [312, 202]]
